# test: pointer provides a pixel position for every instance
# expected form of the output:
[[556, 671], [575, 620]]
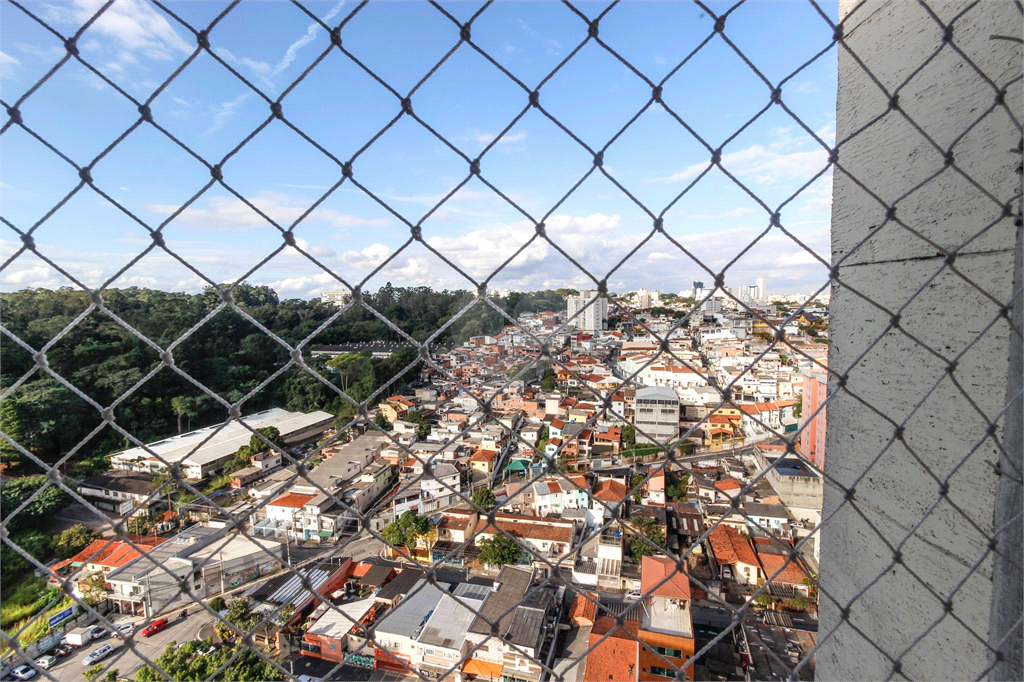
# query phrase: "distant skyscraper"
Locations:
[[593, 318], [762, 291]]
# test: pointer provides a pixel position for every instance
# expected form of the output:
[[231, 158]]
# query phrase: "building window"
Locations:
[[670, 653], [663, 672]]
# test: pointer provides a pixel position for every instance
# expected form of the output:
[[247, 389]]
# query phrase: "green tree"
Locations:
[[217, 604], [240, 614], [484, 498], [651, 538], [14, 492], [675, 487], [501, 550], [628, 436], [73, 540], [394, 535], [183, 406], [635, 480], [256, 444], [414, 525], [382, 423], [92, 674], [549, 381], [414, 417], [140, 524], [11, 425], [111, 675]]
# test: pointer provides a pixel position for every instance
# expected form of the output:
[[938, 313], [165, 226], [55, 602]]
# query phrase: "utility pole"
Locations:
[[149, 597], [221, 554]]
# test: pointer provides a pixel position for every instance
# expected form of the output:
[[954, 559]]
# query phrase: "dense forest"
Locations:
[[227, 353]]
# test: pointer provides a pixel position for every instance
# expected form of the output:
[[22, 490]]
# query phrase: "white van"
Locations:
[[99, 654]]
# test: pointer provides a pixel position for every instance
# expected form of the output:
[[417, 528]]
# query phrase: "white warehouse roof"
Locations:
[[196, 449]]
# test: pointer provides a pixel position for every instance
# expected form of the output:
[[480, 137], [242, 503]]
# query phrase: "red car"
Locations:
[[154, 627]]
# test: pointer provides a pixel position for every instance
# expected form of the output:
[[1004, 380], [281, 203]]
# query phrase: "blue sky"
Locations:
[[468, 101]]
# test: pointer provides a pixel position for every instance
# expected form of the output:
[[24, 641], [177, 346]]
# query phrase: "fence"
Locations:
[[923, 409]]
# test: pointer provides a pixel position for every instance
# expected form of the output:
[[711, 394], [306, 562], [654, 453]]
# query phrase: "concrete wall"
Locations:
[[893, 38]]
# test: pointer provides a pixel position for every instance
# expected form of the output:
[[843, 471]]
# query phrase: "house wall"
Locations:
[[946, 97]]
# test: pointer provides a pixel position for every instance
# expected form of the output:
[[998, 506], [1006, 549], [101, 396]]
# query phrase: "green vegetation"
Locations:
[[92, 674], [229, 353], [218, 604], [414, 417], [382, 422], [24, 600], [188, 662], [240, 614], [501, 550], [628, 436], [38, 622], [484, 498], [548, 382], [675, 487], [409, 528], [73, 540], [635, 480], [651, 539]]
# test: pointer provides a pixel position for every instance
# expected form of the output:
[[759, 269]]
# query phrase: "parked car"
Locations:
[[46, 662], [154, 627], [99, 654], [98, 631], [125, 629], [24, 672], [61, 651]]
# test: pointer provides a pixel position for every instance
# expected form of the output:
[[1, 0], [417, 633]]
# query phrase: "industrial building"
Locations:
[[205, 451]]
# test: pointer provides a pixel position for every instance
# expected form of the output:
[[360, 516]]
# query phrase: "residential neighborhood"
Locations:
[[569, 485]]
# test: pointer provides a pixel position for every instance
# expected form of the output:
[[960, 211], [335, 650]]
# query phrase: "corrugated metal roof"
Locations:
[[410, 614]]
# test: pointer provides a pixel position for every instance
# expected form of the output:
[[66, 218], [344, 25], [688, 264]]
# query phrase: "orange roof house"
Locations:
[[654, 570], [610, 491], [731, 548], [293, 500], [616, 657]]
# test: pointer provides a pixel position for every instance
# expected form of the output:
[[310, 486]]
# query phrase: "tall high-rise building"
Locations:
[[591, 319], [762, 292]]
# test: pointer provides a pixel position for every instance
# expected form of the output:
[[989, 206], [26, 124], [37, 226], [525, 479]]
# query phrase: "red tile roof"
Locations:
[[654, 570], [730, 546], [610, 491], [791, 574], [727, 484], [294, 500], [615, 659], [517, 526], [583, 610]]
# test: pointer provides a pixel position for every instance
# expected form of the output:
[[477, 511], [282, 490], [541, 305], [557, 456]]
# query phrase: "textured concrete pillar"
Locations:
[[933, 606]]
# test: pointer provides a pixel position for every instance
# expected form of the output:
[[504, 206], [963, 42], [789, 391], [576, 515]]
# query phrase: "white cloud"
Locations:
[[487, 138], [311, 31], [661, 257], [136, 25], [224, 213], [8, 64], [226, 111], [763, 165]]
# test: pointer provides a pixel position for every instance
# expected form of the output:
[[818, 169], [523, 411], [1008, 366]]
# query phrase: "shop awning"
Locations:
[[482, 669]]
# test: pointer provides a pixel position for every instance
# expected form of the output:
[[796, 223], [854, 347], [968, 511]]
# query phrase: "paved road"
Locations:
[[123, 660]]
